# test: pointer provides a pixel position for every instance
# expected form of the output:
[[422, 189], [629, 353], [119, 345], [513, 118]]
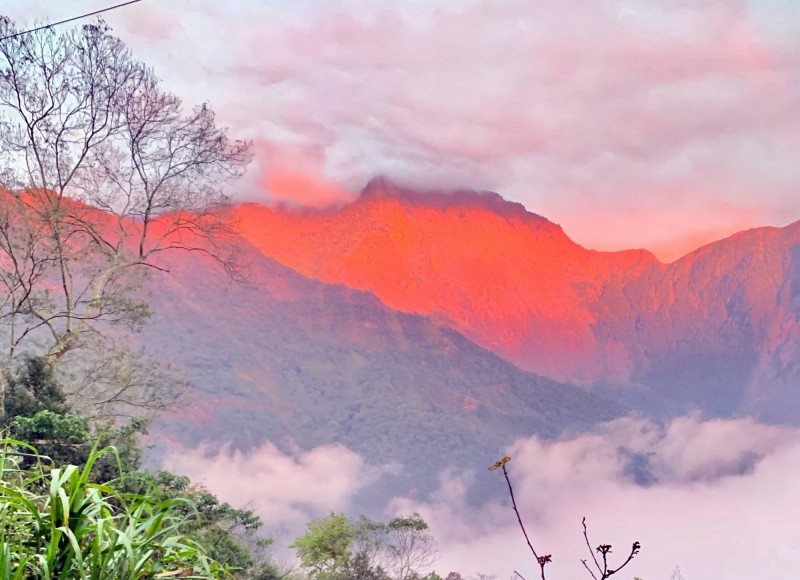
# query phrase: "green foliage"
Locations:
[[360, 567], [125, 440], [410, 546], [325, 547], [50, 426], [338, 548], [61, 438], [31, 389], [404, 523], [67, 438], [225, 535], [266, 571], [56, 523], [229, 533], [35, 410]]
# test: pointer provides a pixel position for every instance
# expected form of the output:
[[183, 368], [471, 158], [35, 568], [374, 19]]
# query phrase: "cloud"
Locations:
[[666, 110], [294, 175], [694, 220], [286, 488], [714, 497]]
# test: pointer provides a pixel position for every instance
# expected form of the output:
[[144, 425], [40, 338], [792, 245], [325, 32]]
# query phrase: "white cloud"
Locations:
[[716, 498], [722, 504], [286, 488]]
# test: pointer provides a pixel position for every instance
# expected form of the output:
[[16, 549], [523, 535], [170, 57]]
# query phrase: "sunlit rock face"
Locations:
[[715, 330], [509, 279]]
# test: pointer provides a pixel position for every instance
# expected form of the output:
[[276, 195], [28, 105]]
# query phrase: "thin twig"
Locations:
[[605, 550], [585, 565], [541, 561], [634, 550], [589, 546]]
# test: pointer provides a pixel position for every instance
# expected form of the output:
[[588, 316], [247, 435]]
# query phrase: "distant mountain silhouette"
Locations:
[[716, 330]]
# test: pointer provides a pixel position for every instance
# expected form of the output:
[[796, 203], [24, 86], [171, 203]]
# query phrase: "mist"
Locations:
[[714, 497]]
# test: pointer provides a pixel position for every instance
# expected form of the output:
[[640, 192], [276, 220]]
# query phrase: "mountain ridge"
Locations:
[[516, 284]]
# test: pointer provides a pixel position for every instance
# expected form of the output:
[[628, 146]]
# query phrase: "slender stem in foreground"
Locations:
[[591, 552], [542, 561]]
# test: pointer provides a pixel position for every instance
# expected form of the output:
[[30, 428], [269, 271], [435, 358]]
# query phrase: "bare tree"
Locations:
[[410, 546], [102, 172]]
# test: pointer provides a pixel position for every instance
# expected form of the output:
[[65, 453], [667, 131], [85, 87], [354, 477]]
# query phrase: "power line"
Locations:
[[69, 19]]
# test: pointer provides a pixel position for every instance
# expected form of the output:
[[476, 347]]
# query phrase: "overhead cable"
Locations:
[[69, 20]]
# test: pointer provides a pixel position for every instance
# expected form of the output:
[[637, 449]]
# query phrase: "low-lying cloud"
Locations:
[[715, 497], [286, 488]]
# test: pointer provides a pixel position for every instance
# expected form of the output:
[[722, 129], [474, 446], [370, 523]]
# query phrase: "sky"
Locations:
[[718, 499], [658, 124]]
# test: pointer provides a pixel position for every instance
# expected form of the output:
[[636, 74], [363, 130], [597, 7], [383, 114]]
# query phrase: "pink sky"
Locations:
[[658, 124]]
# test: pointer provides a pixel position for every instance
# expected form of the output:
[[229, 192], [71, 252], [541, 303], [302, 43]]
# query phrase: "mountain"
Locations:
[[716, 330], [508, 279], [292, 360], [719, 326]]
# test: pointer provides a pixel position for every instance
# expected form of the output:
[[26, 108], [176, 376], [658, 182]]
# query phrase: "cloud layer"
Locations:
[[716, 498], [632, 123]]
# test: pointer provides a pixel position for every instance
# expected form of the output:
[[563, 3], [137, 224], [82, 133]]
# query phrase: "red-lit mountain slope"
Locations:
[[720, 326], [285, 358], [716, 329], [509, 279]]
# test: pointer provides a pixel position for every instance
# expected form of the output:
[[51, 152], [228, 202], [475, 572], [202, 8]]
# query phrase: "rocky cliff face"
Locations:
[[716, 330]]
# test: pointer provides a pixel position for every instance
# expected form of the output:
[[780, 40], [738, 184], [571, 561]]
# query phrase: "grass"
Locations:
[[55, 524]]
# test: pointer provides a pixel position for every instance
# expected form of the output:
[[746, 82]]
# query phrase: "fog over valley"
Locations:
[[712, 497]]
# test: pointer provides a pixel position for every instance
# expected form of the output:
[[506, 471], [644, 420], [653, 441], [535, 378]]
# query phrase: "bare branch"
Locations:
[[542, 561], [589, 547], [604, 549]]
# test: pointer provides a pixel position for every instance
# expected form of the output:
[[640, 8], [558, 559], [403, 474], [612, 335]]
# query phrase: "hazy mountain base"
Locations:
[[294, 361]]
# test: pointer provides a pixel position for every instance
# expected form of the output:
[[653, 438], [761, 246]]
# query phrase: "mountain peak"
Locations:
[[381, 187]]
